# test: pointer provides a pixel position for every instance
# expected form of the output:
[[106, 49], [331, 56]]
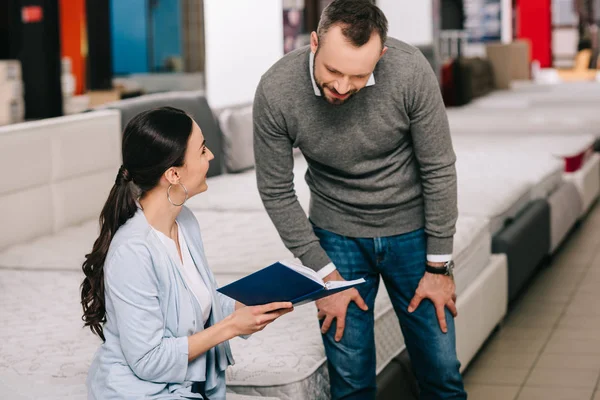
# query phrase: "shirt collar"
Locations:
[[311, 63]]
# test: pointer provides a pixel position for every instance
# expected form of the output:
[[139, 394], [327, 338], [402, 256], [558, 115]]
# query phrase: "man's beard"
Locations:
[[321, 87]]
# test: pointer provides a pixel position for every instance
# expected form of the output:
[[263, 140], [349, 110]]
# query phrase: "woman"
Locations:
[[148, 292]]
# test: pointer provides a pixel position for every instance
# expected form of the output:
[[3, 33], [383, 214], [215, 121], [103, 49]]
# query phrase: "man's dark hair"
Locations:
[[358, 19]]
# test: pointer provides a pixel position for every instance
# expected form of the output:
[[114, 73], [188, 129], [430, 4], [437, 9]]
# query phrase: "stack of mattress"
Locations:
[[522, 121], [543, 173], [524, 155]]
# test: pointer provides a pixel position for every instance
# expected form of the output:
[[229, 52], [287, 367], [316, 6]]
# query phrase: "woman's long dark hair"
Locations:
[[153, 142]]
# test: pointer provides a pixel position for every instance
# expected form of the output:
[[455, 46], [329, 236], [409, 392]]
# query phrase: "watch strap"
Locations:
[[436, 270]]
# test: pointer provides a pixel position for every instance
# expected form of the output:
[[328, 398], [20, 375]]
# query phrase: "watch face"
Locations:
[[450, 268]]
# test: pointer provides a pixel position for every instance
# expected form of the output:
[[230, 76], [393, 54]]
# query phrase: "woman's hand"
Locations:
[[243, 321], [249, 320]]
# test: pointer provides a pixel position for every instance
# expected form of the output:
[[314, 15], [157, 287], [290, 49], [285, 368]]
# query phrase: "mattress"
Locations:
[[587, 182], [481, 308], [526, 243], [64, 250], [239, 191], [56, 367], [398, 377], [564, 95], [547, 121], [497, 200], [566, 208], [542, 172], [472, 250], [287, 359], [573, 150]]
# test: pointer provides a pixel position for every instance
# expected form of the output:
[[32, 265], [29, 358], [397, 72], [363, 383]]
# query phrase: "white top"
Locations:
[[190, 273]]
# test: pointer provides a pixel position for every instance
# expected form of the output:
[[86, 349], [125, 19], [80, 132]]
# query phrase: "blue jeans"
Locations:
[[400, 261]]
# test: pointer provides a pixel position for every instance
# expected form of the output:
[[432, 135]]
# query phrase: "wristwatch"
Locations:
[[447, 269]]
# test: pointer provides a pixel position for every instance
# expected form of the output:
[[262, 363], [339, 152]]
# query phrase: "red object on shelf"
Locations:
[[534, 22], [575, 162], [32, 14], [73, 34]]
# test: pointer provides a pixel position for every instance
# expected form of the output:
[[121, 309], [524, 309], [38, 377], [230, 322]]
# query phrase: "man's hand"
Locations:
[[336, 305], [440, 289]]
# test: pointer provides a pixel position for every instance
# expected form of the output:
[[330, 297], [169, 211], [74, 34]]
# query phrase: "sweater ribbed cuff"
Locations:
[[315, 258], [438, 246]]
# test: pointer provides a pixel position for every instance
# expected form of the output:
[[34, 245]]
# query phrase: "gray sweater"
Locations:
[[382, 164]]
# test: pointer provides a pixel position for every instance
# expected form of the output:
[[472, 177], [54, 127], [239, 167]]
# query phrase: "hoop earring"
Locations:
[[169, 195]]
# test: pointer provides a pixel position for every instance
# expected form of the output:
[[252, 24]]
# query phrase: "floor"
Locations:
[[548, 347]]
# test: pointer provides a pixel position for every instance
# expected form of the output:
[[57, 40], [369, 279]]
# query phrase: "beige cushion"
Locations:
[[90, 143], [236, 125], [58, 172], [81, 199], [25, 215], [25, 159]]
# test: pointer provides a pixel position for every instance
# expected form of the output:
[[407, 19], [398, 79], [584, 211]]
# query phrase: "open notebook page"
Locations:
[[303, 270]]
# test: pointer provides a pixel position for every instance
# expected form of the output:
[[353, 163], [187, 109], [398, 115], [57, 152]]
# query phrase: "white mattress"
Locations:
[[472, 249], [536, 121], [566, 208], [287, 359], [587, 182], [542, 172], [239, 191], [557, 146], [44, 351], [565, 95], [497, 200], [481, 307], [64, 250]]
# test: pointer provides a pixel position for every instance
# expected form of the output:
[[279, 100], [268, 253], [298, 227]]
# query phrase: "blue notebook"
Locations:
[[284, 281]]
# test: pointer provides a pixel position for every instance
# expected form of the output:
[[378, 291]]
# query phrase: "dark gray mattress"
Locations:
[[397, 380], [526, 242]]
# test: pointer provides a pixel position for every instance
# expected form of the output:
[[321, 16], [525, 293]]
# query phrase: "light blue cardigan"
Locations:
[[150, 313]]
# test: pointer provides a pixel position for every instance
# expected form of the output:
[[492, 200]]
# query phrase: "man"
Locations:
[[367, 114]]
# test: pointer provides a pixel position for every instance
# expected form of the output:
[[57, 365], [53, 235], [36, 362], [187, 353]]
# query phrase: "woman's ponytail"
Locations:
[[120, 206]]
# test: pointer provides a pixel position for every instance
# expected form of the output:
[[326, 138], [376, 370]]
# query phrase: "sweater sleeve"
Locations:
[[274, 161], [436, 158]]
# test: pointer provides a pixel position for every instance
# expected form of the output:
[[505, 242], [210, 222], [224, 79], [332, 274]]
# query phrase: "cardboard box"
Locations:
[[101, 97], [76, 104], [10, 90], [12, 111], [10, 70], [499, 55], [521, 60]]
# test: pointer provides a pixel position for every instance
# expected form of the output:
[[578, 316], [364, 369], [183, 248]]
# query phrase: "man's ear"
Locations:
[[314, 42], [383, 51]]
